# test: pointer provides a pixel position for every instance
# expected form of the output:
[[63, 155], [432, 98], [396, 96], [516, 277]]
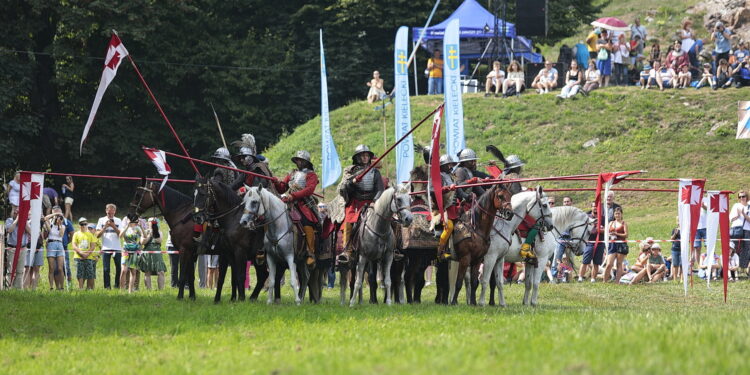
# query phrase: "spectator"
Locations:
[[564, 270], [582, 54], [174, 262], [54, 224], [684, 77], [573, 81], [133, 236], [610, 206], [641, 259], [655, 54], [514, 84], [700, 232], [96, 246], [677, 58], [14, 189], [676, 271], [592, 76], [618, 231], [593, 254], [645, 75], [551, 201], [741, 73], [83, 246], [68, 189], [567, 201], [213, 270], [108, 229], [636, 47], [151, 261], [591, 42], [49, 198], [546, 79], [734, 264], [661, 76], [11, 236], [655, 267], [621, 59], [723, 74], [720, 36], [494, 79], [740, 52], [435, 74], [67, 237], [34, 260], [604, 58], [709, 267], [707, 77], [686, 35], [638, 32], [376, 88], [740, 228]]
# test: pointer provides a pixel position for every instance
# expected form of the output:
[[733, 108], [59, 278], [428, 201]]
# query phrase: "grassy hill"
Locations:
[[676, 133]]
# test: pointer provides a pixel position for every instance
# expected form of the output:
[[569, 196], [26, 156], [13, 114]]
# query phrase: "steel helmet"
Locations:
[[221, 153], [514, 161], [361, 149], [303, 155], [246, 151], [447, 159], [467, 154]]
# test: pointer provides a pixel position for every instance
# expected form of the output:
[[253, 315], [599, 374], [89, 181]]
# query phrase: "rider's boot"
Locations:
[[310, 239], [443, 244], [344, 257], [527, 250]]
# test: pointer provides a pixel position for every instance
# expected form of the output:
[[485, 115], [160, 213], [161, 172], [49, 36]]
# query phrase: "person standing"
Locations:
[[49, 198], [132, 235], [151, 261], [604, 58], [174, 262], [618, 250], [593, 253], [55, 226], [720, 36], [11, 236], [740, 228], [68, 194], [435, 74], [84, 244], [34, 260], [108, 229], [14, 190], [67, 237], [638, 32], [591, 42]]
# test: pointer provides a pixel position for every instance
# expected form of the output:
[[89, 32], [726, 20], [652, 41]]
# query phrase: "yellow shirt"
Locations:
[[436, 72], [85, 241], [591, 42]]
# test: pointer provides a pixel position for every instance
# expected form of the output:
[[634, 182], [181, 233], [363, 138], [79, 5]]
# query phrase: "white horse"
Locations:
[[376, 238], [280, 234], [564, 219], [527, 203]]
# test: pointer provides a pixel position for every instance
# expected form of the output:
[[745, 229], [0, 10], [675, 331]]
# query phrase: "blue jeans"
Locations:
[[559, 251], [621, 74], [434, 86], [332, 276], [105, 268]]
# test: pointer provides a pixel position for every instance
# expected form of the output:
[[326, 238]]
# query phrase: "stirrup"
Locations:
[[398, 255], [260, 258], [343, 258], [310, 261]]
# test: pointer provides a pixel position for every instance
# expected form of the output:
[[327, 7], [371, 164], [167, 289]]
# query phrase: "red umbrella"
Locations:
[[611, 23]]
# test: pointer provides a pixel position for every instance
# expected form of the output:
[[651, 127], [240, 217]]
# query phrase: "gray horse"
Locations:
[[263, 208], [376, 238]]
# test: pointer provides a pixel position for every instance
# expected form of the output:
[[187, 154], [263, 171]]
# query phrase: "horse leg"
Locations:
[[372, 280], [500, 279], [261, 274], [357, 290], [530, 272], [409, 279], [191, 278], [442, 281], [343, 282], [487, 267], [241, 275], [271, 278], [535, 286], [420, 281], [293, 280], [463, 265], [386, 270], [474, 281], [303, 279], [493, 284], [183, 276], [223, 264]]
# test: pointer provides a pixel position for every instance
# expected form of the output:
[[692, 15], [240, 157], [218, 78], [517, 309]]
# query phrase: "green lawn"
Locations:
[[579, 328]]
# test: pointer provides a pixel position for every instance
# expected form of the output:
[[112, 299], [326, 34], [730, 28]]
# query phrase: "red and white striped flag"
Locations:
[[606, 180], [29, 207], [689, 199], [160, 162], [718, 219], [115, 53]]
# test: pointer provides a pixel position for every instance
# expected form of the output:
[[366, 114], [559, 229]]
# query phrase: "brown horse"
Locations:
[[470, 251], [177, 209]]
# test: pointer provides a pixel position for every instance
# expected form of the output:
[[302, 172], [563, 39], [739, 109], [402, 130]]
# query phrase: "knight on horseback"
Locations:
[[250, 161], [513, 167], [297, 190], [222, 157], [466, 172], [358, 194], [447, 163]]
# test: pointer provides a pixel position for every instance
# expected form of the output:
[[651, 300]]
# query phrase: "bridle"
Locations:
[[140, 193], [209, 204], [570, 243], [395, 209]]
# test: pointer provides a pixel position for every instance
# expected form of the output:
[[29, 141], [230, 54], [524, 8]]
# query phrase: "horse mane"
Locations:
[[564, 216], [483, 199], [226, 190], [385, 199], [517, 198], [174, 198]]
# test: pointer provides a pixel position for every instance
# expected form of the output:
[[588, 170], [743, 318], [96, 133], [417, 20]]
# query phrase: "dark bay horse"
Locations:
[[177, 209], [214, 201]]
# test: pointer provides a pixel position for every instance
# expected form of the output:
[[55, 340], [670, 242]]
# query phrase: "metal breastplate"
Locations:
[[367, 183], [298, 181], [464, 173]]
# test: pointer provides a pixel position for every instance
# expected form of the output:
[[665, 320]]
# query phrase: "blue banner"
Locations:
[[454, 112], [405, 149], [329, 156]]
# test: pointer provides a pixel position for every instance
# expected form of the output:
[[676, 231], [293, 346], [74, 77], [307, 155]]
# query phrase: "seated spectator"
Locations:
[[592, 77], [684, 77], [707, 77], [514, 84], [709, 268], [376, 88], [734, 264], [644, 76], [677, 58], [741, 73], [723, 74], [573, 80], [565, 270], [740, 52], [660, 76], [494, 79], [546, 79], [642, 258], [655, 267]]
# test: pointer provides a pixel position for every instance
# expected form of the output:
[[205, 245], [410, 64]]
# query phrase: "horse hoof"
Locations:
[[192, 298]]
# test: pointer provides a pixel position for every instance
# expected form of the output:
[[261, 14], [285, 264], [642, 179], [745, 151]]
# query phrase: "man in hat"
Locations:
[[297, 190], [221, 156], [512, 171], [467, 173], [357, 194], [251, 162]]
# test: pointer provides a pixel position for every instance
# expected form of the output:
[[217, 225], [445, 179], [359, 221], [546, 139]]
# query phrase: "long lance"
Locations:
[[218, 125], [224, 166], [373, 164]]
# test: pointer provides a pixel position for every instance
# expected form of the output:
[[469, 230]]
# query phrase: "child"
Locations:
[[564, 270], [707, 76], [644, 75], [683, 78], [734, 264], [676, 255]]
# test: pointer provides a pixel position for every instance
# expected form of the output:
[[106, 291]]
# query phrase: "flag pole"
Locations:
[[161, 111]]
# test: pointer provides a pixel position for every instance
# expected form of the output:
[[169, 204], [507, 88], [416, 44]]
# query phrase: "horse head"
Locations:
[[144, 198], [201, 192], [501, 201], [539, 208], [401, 204], [253, 206]]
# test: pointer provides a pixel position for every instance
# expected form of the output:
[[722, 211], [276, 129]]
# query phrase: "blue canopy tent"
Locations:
[[476, 30]]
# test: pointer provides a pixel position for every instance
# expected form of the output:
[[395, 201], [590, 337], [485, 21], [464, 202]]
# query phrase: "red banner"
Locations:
[[435, 178]]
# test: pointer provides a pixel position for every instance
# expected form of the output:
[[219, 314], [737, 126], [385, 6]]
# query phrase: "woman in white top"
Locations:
[[14, 191], [515, 78], [573, 80], [376, 88], [686, 34], [739, 219], [592, 76], [494, 79], [54, 224], [621, 58]]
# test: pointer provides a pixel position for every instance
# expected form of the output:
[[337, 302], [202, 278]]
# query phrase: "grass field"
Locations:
[[578, 329]]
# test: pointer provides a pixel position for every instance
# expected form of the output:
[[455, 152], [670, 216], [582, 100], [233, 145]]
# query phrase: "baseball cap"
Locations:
[[82, 220], [92, 226]]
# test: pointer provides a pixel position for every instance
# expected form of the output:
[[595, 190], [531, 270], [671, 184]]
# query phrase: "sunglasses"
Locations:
[[742, 196]]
